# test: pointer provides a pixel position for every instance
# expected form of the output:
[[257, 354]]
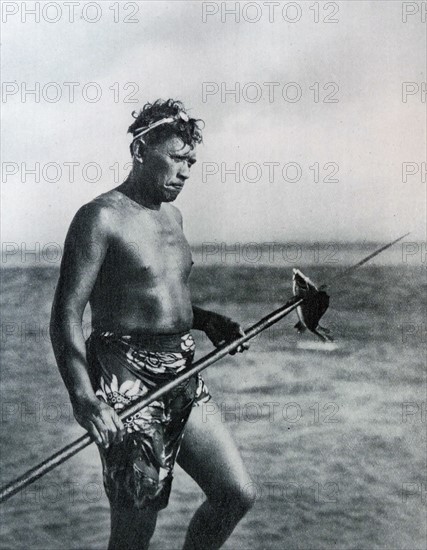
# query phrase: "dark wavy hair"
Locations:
[[190, 132]]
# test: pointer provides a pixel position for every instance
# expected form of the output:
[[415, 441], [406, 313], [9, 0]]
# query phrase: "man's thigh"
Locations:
[[210, 456]]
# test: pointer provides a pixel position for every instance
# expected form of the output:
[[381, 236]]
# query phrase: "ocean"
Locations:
[[334, 437]]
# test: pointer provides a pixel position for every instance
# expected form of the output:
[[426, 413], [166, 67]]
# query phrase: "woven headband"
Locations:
[[144, 129]]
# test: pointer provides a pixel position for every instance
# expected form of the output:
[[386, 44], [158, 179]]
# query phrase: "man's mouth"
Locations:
[[177, 186]]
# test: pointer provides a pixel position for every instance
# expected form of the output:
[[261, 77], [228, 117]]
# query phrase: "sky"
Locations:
[[330, 149]]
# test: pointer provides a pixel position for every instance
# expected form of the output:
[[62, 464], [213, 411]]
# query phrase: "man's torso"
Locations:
[[142, 285]]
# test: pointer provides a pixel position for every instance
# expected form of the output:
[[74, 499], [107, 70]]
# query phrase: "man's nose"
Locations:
[[184, 172]]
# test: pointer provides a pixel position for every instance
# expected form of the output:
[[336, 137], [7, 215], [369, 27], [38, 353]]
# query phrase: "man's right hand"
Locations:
[[100, 420]]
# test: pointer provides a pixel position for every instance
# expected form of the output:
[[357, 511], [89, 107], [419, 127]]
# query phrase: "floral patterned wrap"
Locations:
[[139, 471]]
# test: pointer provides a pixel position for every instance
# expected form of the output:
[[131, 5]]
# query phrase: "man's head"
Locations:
[[158, 121], [163, 147]]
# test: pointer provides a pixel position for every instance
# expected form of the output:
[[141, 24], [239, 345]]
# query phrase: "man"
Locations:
[[126, 254]]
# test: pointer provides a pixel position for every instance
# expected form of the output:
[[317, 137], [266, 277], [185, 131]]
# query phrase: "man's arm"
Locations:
[[200, 318], [84, 251], [218, 328]]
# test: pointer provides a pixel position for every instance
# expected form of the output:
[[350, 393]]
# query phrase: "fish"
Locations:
[[312, 309]]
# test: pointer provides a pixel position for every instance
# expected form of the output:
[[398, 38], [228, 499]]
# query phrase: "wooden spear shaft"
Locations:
[[73, 448]]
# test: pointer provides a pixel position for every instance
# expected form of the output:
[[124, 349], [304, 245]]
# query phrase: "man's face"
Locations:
[[167, 167]]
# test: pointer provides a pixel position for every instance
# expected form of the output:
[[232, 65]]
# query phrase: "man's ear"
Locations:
[[139, 148]]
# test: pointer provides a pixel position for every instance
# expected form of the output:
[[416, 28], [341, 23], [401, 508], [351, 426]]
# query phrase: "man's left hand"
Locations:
[[223, 330]]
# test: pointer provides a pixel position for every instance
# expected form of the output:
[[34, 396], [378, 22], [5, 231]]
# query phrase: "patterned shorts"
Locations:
[[138, 472]]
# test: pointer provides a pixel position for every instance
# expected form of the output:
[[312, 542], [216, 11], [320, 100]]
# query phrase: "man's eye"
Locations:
[[183, 159]]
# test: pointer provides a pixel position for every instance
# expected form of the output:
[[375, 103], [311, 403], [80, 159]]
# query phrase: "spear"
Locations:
[[76, 446]]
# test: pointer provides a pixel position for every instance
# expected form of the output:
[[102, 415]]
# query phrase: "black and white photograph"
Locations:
[[213, 275]]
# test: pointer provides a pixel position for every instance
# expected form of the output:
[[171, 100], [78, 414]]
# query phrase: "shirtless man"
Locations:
[[126, 254]]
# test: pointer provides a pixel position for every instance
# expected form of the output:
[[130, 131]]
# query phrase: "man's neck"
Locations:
[[135, 189]]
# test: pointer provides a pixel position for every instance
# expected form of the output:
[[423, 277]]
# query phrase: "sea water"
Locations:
[[334, 438]]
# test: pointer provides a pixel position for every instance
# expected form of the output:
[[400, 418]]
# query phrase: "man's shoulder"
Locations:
[[174, 211], [106, 202], [100, 211]]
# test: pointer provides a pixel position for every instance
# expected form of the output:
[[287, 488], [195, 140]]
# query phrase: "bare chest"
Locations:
[[150, 246]]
